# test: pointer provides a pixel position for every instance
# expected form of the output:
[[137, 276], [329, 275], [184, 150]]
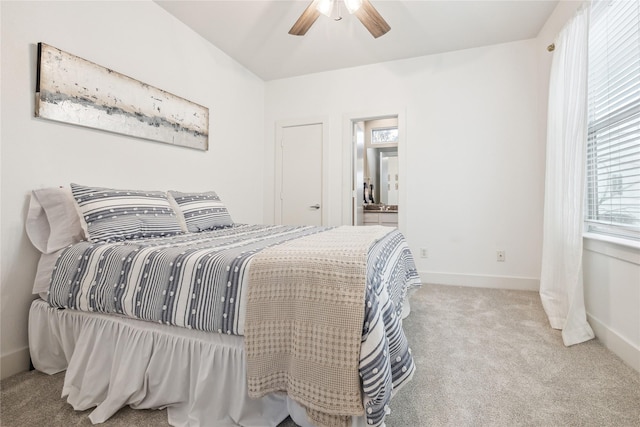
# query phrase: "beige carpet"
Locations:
[[484, 358]]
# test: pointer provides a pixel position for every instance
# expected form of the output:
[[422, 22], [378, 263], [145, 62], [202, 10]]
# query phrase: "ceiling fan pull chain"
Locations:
[[338, 10]]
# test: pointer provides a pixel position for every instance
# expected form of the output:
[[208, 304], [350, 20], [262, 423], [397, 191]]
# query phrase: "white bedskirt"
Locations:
[[112, 362]]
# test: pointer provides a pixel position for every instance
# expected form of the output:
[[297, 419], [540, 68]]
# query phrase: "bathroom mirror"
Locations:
[[381, 175]]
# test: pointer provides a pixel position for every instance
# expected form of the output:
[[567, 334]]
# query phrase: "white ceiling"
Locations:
[[255, 33]]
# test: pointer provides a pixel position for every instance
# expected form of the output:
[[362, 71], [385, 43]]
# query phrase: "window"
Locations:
[[613, 146], [384, 135]]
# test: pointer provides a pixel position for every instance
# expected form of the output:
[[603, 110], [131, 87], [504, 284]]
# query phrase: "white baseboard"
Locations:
[[14, 362], [618, 345], [481, 281]]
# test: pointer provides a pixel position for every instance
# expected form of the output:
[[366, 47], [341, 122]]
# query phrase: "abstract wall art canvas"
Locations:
[[73, 90]]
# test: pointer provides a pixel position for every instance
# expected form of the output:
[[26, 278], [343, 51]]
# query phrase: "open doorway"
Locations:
[[375, 177]]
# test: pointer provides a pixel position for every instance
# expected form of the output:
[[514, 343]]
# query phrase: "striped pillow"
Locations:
[[202, 211], [114, 215]]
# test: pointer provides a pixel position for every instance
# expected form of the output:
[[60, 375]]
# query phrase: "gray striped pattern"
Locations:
[[195, 281], [202, 211], [192, 280], [115, 215], [385, 357]]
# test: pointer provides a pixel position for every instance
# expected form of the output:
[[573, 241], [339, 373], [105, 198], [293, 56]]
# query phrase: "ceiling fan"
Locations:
[[363, 9]]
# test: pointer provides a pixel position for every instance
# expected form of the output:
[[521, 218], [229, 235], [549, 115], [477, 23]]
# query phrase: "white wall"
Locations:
[[612, 296], [472, 164], [143, 41]]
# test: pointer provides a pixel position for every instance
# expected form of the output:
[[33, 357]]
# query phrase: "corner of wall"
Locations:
[[14, 362], [622, 348]]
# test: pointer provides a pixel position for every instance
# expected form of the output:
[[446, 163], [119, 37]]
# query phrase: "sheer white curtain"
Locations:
[[561, 287]]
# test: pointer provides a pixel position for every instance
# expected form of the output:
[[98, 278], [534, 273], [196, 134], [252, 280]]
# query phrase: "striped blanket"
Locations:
[[199, 280]]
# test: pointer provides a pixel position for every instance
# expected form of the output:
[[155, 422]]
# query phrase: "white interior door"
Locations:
[[358, 167], [301, 175]]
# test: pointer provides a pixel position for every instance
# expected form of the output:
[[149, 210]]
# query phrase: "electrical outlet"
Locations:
[[424, 253], [500, 256]]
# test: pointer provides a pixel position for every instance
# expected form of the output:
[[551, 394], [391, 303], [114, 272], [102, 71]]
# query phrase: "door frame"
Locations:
[[280, 126], [348, 120]]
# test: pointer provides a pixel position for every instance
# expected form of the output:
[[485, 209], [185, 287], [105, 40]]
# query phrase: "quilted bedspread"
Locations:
[[200, 281]]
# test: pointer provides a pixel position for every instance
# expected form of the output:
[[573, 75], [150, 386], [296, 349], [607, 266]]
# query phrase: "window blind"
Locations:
[[613, 146]]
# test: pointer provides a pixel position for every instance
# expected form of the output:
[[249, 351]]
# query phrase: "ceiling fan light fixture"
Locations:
[[353, 5], [362, 9], [325, 7]]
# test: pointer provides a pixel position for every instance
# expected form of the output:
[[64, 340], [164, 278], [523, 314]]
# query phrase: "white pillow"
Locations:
[[53, 221]]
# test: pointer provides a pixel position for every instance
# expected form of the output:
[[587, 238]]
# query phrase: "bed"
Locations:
[[158, 299]]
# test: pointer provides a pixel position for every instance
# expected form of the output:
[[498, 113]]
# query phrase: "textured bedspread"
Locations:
[[198, 281], [304, 319]]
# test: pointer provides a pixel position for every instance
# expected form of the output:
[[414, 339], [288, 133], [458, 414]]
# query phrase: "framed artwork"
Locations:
[[73, 90]]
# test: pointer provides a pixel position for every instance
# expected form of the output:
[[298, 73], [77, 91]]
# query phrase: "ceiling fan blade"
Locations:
[[370, 18], [306, 20]]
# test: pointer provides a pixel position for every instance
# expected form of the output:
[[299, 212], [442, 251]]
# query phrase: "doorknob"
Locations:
[[316, 206]]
